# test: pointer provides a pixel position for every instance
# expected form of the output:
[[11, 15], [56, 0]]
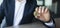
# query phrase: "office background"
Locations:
[[1, 1]]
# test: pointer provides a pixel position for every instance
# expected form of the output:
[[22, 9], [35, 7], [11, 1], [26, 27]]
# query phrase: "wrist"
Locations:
[[48, 20]]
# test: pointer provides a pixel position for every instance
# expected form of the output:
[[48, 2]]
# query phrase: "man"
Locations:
[[18, 12]]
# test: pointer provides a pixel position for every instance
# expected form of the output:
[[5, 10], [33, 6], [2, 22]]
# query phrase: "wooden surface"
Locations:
[[32, 25], [36, 25], [57, 20]]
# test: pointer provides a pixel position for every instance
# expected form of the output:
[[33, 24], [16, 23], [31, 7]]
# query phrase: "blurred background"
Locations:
[[1, 1]]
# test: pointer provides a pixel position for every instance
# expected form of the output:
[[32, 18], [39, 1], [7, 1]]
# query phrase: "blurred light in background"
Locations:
[[48, 2], [1, 1]]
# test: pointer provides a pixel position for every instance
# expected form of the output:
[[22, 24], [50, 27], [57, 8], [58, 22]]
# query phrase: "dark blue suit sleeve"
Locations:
[[2, 11]]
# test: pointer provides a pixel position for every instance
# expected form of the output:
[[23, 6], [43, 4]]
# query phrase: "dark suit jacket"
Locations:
[[7, 9]]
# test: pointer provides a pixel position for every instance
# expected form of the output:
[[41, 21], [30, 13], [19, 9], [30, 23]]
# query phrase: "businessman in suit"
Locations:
[[18, 12]]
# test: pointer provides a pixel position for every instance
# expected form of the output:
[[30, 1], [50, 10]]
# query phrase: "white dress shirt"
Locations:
[[19, 9]]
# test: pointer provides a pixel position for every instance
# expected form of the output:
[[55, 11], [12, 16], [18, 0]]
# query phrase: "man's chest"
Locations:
[[10, 11]]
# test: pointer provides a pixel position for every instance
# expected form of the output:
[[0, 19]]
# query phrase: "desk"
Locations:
[[31, 25], [36, 25]]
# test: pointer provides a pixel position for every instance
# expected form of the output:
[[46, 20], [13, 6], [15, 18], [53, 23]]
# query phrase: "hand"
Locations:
[[42, 14]]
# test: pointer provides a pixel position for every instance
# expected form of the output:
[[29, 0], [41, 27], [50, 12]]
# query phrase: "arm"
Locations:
[[43, 14], [51, 23], [2, 11]]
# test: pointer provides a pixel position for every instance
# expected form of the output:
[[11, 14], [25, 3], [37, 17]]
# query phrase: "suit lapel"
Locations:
[[11, 8], [26, 10]]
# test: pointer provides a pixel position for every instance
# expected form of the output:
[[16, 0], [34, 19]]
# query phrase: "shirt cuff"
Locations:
[[50, 23]]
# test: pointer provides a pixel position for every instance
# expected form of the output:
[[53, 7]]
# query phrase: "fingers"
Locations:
[[46, 10], [41, 13], [41, 9], [36, 9]]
